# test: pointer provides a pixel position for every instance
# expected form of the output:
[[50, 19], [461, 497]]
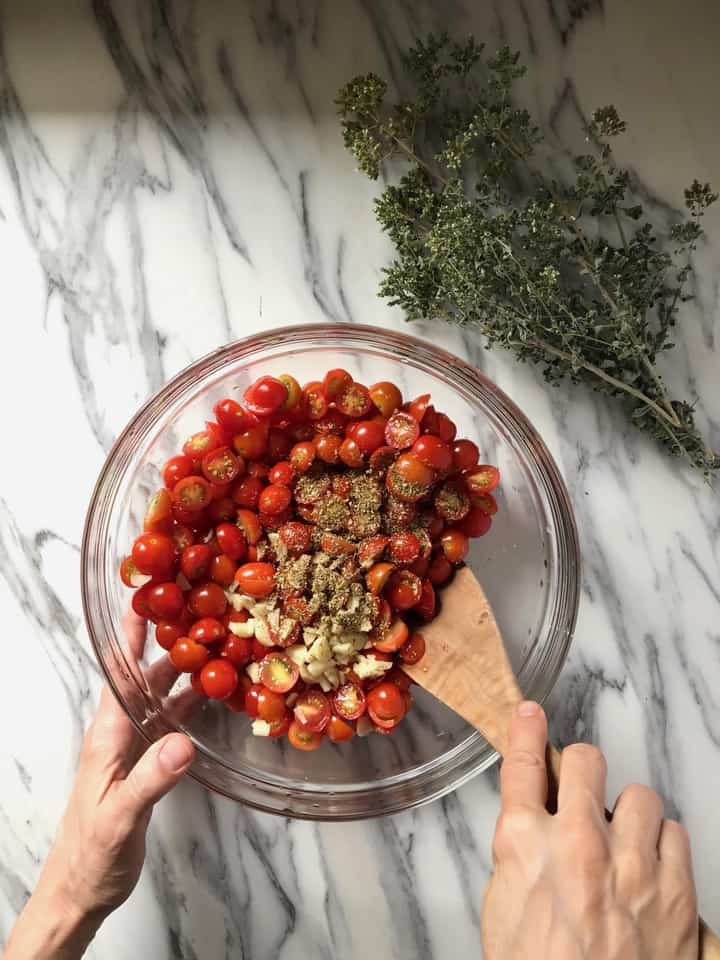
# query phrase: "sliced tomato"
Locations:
[[349, 701], [404, 590], [312, 710], [371, 550], [221, 466], [417, 407], [192, 493], [303, 739], [336, 382], [338, 731], [425, 607], [354, 401], [279, 672], [482, 479], [386, 704], [391, 639], [159, 515], [265, 396], [315, 400], [402, 431]]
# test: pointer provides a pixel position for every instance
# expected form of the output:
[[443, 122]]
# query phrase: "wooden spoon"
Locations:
[[466, 666]]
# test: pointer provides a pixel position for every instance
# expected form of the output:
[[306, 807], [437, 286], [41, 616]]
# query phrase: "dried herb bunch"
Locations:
[[569, 274]]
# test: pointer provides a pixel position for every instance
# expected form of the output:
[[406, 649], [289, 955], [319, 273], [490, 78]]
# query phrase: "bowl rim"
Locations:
[[209, 363]]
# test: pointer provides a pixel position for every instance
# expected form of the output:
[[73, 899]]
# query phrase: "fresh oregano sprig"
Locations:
[[566, 273]]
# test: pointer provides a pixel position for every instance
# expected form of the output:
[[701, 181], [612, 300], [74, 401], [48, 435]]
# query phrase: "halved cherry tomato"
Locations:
[[369, 435], [464, 455], [265, 396], [207, 630], [371, 550], [482, 479], [354, 401], [153, 554], [445, 428], [270, 705], [385, 703], [282, 473], [222, 509], [302, 456], [349, 701], [207, 600], [159, 515], [222, 569], [327, 447], [399, 514], [131, 576], [392, 638], [176, 468], [188, 655], [167, 632], [417, 407], [403, 547], [336, 382], [246, 492], [433, 452], [315, 400], [485, 502], [165, 600], [231, 416], [425, 607], [294, 393], [220, 466], [350, 453], [338, 731], [231, 540], [296, 536], [200, 444], [401, 431], [303, 739], [440, 569], [278, 728], [274, 499], [408, 478], [455, 545], [335, 545], [249, 523], [219, 679], [476, 523], [279, 672], [312, 710], [182, 537], [192, 493], [403, 590], [413, 650], [238, 650], [377, 576], [452, 501], [256, 579], [251, 443], [382, 459], [386, 397]]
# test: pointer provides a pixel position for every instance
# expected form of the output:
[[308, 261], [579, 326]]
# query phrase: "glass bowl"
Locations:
[[528, 565]]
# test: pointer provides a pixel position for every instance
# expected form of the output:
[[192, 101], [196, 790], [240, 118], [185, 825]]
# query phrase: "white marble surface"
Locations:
[[171, 177]]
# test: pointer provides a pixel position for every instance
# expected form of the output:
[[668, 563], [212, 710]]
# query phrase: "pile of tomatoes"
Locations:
[[206, 529]]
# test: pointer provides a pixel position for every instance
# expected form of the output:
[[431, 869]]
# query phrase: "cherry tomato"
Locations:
[[482, 479], [327, 448], [222, 569], [279, 672], [336, 545], [315, 400], [433, 452], [221, 465], [350, 453], [252, 442], [159, 515], [455, 545], [402, 431], [294, 392], [338, 731], [408, 478], [222, 509], [417, 407], [445, 428], [302, 456], [274, 499], [130, 575], [256, 579], [278, 728], [451, 501], [176, 468], [413, 650], [400, 514], [369, 435], [336, 382], [207, 600], [354, 401], [192, 494], [420, 566], [312, 710], [182, 537], [382, 459], [219, 679], [391, 639], [231, 540], [464, 455], [258, 469], [153, 554], [403, 590], [270, 705], [403, 548], [200, 444], [236, 701], [377, 576], [194, 561], [485, 502], [385, 703], [165, 600], [167, 632], [440, 570], [246, 492], [349, 701], [231, 416], [333, 423], [297, 537], [371, 550], [252, 696], [386, 397], [282, 473], [476, 523], [265, 396], [425, 607], [188, 655], [303, 739], [249, 523], [434, 525], [238, 650], [278, 444], [207, 630]]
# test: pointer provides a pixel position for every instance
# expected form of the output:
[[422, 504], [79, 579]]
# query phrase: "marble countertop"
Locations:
[[171, 177]]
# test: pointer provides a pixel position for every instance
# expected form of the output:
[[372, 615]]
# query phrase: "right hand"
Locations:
[[572, 886]]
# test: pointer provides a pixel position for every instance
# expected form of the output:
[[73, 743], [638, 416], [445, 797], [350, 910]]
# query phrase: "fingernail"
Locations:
[[528, 708], [175, 754]]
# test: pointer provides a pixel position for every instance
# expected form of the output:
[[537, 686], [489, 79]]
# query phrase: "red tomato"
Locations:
[[298, 608], [207, 630], [274, 499], [259, 650], [312, 710], [354, 401], [420, 566], [382, 459], [220, 466], [302, 456], [315, 400], [195, 560], [188, 655], [464, 455], [222, 509], [402, 431], [413, 650], [336, 382], [377, 576], [440, 570], [296, 536], [265, 396], [408, 479], [256, 579], [485, 502], [417, 407], [455, 545], [385, 703], [371, 550], [278, 728], [249, 523], [294, 392], [400, 514], [130, 575], [369, 435], [327, 448], [433, 452], [282, 473], [386, 397], [153, 554], [403, 548], [176, 468], [349, 701], [231, 416], [350, 453], [278, 445], [199, 444], [219, 679], [258, 469], [165, 600], [252, 696], [236, 701], [273, 521], [167, 632], [252, 442], [333, 423], [451, 501], [338, 731], [222, 569], [207, 600], [425, 607], [159, 516], [476, 523], [482, 479], [445, 428], [391, 639], [238, 650], [192, 494], [246, 492], [182, 537], [270, 705], [336, 545], [279, 672], [231, 540], [303, 739]]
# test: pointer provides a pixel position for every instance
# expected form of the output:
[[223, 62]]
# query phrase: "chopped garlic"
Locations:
[[253, 671], [246, 629], [239, 601], [298, 653], [368, 667], [262, 633], [261, 728]]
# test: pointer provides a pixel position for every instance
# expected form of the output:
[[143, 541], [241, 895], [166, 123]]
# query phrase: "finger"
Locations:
[[135, 631], [161, 675], [637, 819], [109, 748], [674, 846], [523, 777], [583, 775], [155, 773]]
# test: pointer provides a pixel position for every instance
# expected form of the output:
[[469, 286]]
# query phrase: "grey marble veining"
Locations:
[[171, 177]]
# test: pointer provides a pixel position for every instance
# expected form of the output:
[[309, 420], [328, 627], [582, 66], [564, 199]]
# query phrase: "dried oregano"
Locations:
[[483, 237]]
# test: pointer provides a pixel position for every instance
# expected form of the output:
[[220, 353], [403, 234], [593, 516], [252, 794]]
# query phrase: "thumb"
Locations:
[[523, 776], [155, 774]]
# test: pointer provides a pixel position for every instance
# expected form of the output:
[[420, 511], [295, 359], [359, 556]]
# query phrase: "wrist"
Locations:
[[52, 926]]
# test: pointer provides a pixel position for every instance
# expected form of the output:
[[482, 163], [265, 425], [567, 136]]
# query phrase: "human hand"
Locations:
[[573, 886], [99, 850]]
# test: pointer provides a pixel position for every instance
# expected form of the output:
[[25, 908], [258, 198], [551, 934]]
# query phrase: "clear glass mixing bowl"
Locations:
[[528, 565]]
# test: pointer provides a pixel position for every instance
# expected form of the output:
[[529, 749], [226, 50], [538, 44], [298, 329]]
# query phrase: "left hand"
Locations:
[[99, 850]]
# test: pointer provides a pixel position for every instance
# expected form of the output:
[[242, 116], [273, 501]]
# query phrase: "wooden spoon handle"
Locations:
[[709, 943]]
